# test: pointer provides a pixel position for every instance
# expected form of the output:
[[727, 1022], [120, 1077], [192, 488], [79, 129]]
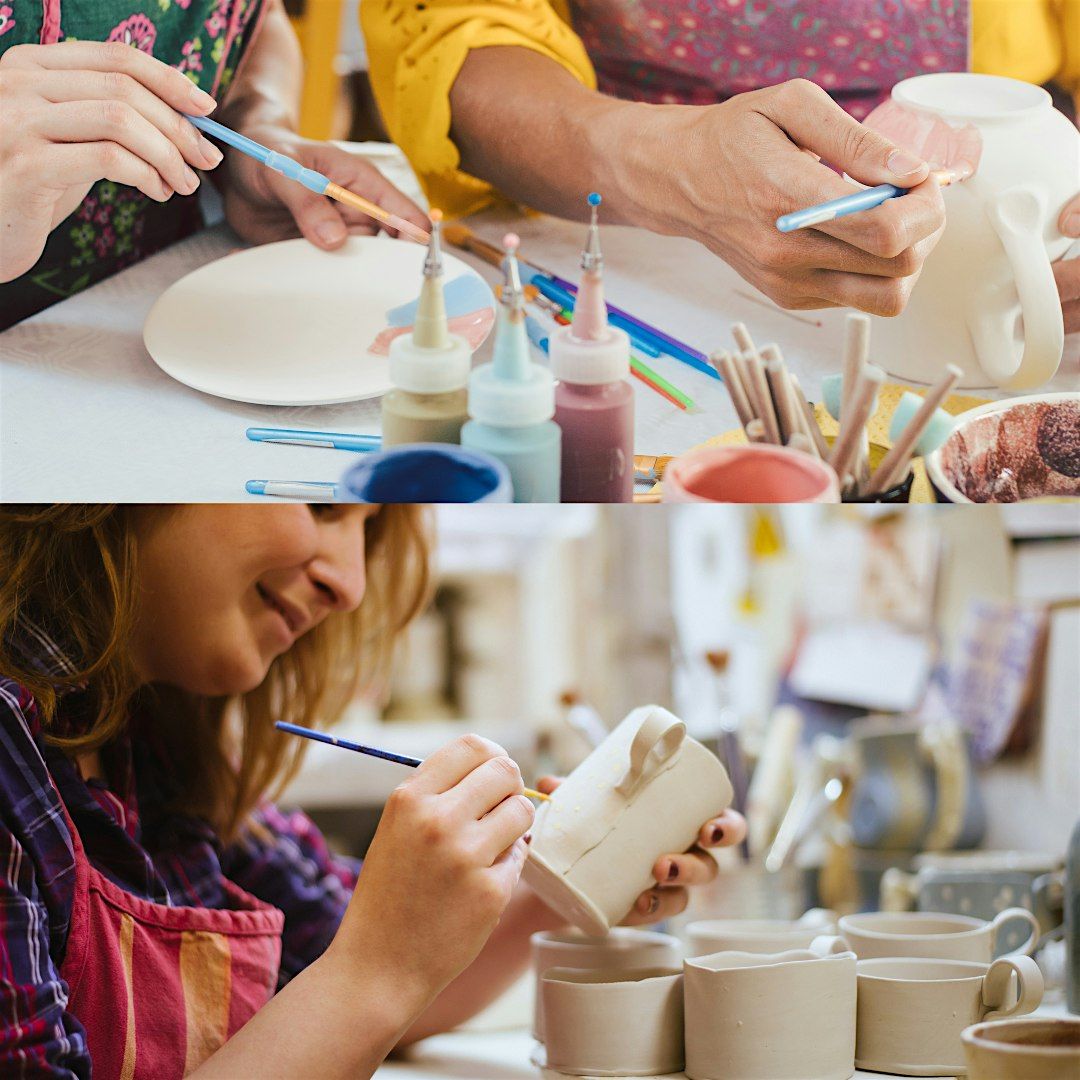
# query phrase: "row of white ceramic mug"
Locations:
[[814, 1012]]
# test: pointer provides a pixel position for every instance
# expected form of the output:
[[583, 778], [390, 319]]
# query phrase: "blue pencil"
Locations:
[[837, 208], [371, 751]]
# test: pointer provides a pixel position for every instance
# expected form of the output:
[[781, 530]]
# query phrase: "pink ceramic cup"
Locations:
[[749, 474]]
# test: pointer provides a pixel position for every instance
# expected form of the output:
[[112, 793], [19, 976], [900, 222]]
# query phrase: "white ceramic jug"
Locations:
[[986, 299], [645, 791]]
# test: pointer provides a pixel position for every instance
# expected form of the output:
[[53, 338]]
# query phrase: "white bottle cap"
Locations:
[[498, 402], [590, 363], [422, 370]]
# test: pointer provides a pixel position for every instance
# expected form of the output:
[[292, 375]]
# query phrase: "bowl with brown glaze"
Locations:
[[1011, 451]]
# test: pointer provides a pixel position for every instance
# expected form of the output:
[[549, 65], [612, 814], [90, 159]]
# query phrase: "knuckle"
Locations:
[[109, 155], [892, 298], [907, 262], [115, 114], [432, 832], [524, 810], [477, 744], [15, 55], [888, 238], [117, 84], [505, 766], [118, 54], [402, 799], [859, 142]]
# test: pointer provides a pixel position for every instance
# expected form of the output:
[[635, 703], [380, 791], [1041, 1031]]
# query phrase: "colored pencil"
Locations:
[[337, 440], [643, 369], [660, 390], [371, 751]]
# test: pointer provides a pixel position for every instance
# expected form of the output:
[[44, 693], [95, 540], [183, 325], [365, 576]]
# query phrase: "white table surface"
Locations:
[[86, 415]]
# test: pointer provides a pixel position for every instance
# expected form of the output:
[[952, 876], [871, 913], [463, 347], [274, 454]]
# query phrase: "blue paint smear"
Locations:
[[463, 294]]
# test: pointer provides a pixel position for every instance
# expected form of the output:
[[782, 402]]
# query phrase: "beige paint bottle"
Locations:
[[429, 367]]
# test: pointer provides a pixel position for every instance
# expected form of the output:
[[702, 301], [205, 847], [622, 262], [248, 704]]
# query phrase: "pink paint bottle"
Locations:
[[594, 402]]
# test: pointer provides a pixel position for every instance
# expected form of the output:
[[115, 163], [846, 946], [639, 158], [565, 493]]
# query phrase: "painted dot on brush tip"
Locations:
[[594, 198], [435, 215], [511, 241]]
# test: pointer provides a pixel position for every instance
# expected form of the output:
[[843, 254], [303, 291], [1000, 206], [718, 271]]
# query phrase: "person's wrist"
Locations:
[[405, 990], [641, 146]]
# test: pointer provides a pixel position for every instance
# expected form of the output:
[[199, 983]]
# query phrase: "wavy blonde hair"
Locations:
[[73, 568]]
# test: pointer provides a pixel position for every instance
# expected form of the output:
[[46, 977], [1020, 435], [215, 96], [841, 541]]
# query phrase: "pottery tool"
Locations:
[[308, 490], [856, 202], [853, 421], [780, 384], [855, 358], [312, 180], [335, 440], [757, 384], [755, 431], [897, 459], [810, 424], [371, 751], [725, 364], [799, 440], [645, 336]]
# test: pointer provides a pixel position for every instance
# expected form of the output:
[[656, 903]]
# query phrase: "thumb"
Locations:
[[1069, 223], [317, 218], [816, 123]]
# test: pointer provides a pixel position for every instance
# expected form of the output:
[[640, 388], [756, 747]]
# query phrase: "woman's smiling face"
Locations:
[[224, 590]]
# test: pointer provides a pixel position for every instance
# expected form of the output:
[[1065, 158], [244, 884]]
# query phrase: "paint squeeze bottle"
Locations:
[[594, 402], [429, 367], [512, 400]]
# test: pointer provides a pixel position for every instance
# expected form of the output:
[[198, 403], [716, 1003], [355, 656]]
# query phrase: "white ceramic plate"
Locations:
[[286, 323]]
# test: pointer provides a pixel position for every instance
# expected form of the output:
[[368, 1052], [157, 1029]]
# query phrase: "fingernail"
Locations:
[[672, 871], [202, 100], [167, 192], [902, 163], [716, 835], [1071, 225], [209, 150], [330, 232], [191, 179], [654, 903]]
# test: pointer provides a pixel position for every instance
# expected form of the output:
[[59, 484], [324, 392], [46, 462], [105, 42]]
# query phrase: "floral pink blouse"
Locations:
[[701, 51]]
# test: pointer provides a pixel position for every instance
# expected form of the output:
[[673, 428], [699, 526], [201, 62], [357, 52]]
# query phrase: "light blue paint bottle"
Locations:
[[512, 400]]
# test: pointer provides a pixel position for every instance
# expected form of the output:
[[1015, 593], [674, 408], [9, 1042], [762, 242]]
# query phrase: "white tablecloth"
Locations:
[[86, 415]]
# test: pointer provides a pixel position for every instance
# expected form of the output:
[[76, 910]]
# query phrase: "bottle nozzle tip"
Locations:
[[435, 215], [595, 198], [511, 241]]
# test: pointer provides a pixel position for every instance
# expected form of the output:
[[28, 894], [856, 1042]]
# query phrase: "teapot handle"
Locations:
[[655, 742], [1017, 215]]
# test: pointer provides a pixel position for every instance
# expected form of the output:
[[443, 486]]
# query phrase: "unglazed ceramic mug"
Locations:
[[784, 1016], [644, 791], [758, 935], [614, 1023], [932, 934], [756, 473], [620, 950], [911, 1011], [986, 298], [1030, 1049]]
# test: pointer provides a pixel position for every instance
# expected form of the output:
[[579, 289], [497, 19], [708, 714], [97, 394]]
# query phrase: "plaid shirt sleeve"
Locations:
[[283, 860], [38, 1037]]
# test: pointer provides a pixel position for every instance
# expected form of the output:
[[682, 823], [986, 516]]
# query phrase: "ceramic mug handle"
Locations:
[[1008, 915], [655, 743], [1029, 987], [829, 945], [1017, 215]]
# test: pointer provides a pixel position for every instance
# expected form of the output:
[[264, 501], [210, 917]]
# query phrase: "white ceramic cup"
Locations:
[[911, 1011], [758, 935], [986, 298], [1043, 1048], [614, 1023], [780, 1016], [931, 934], [623, 949], [646, 790]]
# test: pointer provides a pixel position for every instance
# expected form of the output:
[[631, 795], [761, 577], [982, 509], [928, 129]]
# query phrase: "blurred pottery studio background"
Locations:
[[895, 696]]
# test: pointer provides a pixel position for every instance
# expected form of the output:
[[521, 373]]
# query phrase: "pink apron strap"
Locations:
[[50, 22]]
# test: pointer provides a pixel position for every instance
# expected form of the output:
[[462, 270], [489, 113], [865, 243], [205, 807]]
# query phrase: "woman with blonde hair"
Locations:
[[159, 916]]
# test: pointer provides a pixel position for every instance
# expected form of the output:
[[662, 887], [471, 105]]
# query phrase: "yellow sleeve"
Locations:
[[415, 51], [1034, 40]]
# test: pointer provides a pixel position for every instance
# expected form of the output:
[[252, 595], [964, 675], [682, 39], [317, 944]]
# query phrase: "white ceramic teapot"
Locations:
[[986, 299]]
